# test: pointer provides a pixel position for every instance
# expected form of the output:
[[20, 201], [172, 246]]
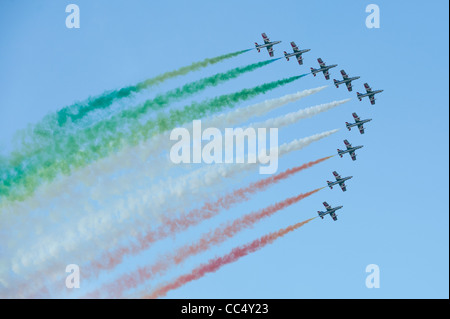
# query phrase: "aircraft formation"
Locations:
[[322, 68], [347, 81]]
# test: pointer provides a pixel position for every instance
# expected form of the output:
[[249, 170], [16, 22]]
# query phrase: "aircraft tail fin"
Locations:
[[256, 46], [335, 81], [339, 152], [330, 186], [285, 55], [348, 126], [312, 71], [320, 214]]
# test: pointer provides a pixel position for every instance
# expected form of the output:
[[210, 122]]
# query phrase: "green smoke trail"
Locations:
[[78, 111], [71, 151], [206, 108], [77, 155], [45, 130], [158, 102]]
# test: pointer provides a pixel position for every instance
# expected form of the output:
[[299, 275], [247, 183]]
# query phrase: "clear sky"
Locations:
[[395, 210]]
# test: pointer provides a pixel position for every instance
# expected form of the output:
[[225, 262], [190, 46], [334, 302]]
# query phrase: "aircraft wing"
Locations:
[[270, 50], [336, 175], [347, 143], [321, 63], [328, 207], [327, 74], [333, 215], [368, 88], [353, 155], [356, 117], [361, 128], [265, 38], [300, 59], [343, 186], [349, 86], [372, 99], [294, 47], [344, 75]]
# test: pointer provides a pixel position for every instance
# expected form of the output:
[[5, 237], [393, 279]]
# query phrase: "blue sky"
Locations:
[[396, 208]]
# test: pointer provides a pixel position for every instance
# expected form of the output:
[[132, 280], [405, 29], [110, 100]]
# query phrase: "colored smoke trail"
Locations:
[[221, 234], [171, 226], [73, 151], [216, 263], [288, 119], [243, 114], [214, 237], [158, 143]]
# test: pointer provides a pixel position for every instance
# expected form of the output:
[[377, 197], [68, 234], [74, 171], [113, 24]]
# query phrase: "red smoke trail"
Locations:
[[171, 226], [221, 234], [215, 264], [214, 237]]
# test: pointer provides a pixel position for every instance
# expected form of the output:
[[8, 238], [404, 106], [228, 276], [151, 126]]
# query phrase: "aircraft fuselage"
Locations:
[[288, 55]]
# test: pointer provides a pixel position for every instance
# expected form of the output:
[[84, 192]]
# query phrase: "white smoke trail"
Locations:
[[132, 212]]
